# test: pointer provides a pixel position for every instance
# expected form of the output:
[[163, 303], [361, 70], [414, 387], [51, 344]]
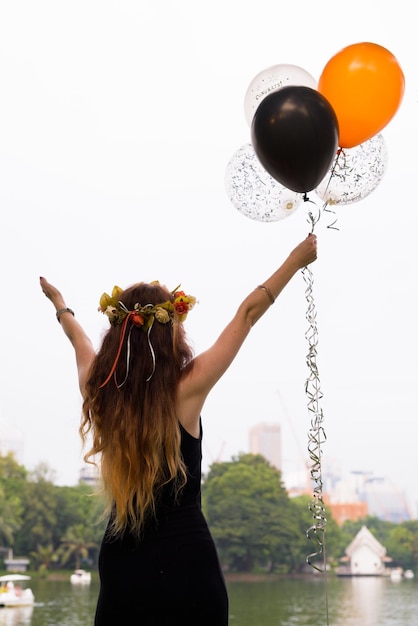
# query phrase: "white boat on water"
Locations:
[[12, 593], [396, 574], [80, 577]]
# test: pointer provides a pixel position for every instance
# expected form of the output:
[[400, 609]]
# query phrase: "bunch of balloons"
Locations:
[[322, 136]]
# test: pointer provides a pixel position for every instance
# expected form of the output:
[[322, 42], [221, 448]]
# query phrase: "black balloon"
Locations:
[[294, 134]]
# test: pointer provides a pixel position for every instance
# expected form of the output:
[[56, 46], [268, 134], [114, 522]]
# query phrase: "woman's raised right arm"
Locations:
[[209, 366]]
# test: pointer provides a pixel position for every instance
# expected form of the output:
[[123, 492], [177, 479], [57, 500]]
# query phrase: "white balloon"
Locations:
[[254, 192], [355, 173], [272, 79]]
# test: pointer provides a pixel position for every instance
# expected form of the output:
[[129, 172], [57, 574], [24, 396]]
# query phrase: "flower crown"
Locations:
[[144, 315]]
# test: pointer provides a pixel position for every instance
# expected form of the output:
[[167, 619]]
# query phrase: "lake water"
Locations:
[[315, 601]]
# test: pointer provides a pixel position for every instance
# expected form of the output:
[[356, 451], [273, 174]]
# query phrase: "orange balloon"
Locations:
[[364, 84]]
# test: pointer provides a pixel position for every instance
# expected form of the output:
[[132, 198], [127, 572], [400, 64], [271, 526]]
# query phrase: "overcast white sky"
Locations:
[[117, 121]]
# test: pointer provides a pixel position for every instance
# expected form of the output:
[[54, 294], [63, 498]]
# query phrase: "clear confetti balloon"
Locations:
[[355, 173], [272, 79], [254, 192]]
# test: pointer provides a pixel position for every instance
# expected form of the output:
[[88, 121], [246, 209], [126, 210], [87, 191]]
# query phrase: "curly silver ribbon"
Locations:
[[316, 433], [314, 219], [316, 436]]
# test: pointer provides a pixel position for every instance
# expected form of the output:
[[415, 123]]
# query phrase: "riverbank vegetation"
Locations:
[[257, 527]]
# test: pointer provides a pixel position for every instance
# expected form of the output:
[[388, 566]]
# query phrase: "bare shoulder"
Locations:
[[190, 400]]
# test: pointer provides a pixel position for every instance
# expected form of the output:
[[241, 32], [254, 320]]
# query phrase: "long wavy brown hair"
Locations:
[[134, 428]]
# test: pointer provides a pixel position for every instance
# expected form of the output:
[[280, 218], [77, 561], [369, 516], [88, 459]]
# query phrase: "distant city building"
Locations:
[[385, 501], [343, 511], [265, 439], [89, 475], [351, 496], [360, 493]]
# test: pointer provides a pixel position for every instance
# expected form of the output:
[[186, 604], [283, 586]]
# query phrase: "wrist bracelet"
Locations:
[[268, 292], [61, 311]]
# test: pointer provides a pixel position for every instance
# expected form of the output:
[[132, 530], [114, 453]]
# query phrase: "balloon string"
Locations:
[[316, 435], [340, 152], [313, 219]]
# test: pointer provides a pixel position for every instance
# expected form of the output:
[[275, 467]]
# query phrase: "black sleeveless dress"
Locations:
[[172, 576]]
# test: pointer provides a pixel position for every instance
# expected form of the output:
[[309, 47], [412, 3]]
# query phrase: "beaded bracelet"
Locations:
[[268, 292], [61, 311]]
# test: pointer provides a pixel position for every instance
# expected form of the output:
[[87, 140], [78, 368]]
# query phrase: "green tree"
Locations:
[[43, 557], [12, 494], [40, 513], [11, 473], [9, 521], [77, 505], [318, 549], [250, 514], [75, 546], [400, 546], [412, 526]]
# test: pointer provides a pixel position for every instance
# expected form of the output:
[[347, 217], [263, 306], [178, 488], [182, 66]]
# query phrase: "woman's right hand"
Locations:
[[306, 252]]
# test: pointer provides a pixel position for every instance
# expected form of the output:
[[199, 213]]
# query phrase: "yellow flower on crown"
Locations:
[[183, 304], [110, 305], [162, 315]]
